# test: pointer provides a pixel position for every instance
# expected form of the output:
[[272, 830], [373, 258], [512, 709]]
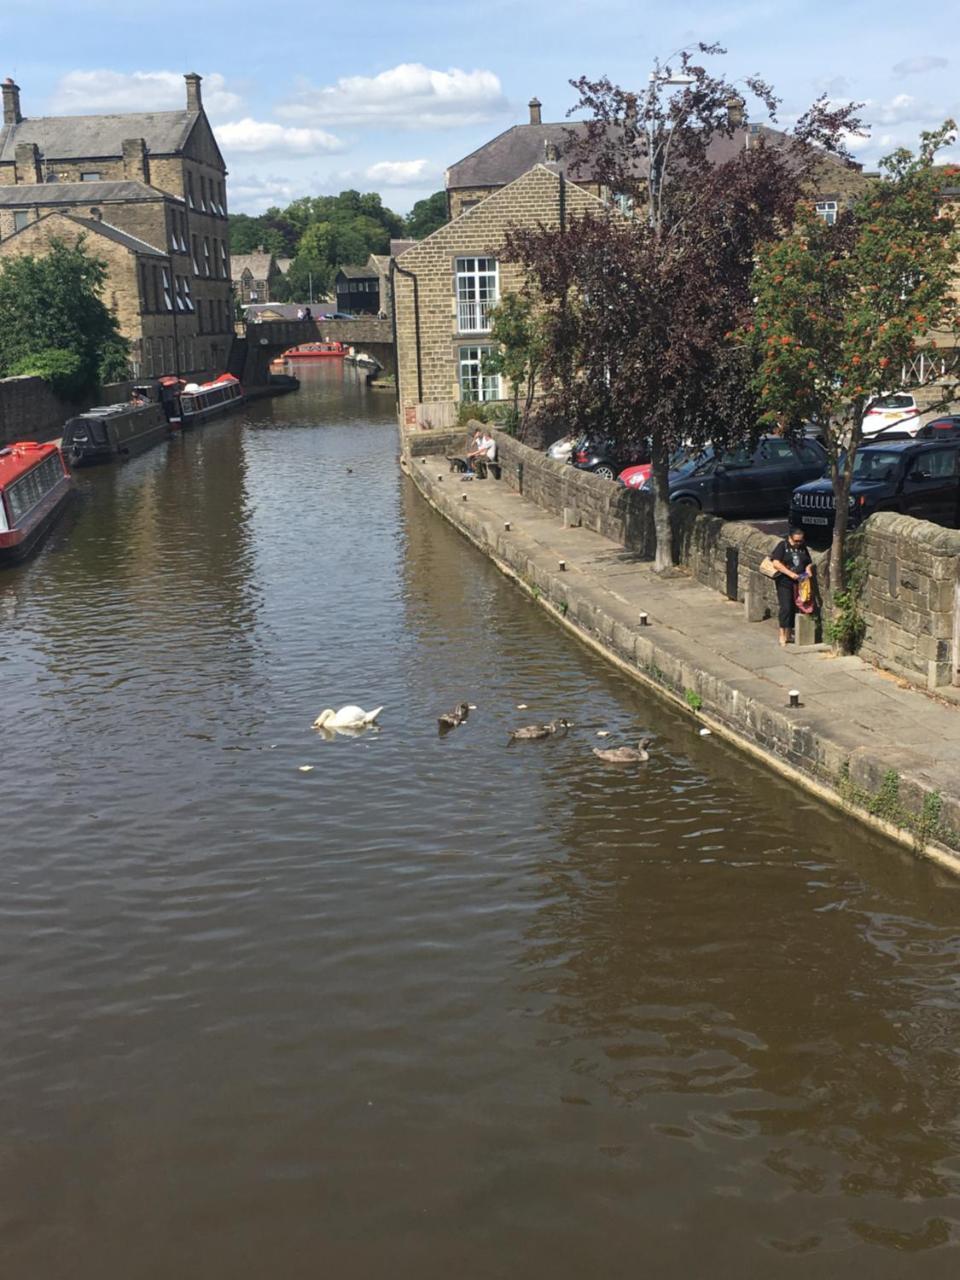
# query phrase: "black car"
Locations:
[[915, 477], [607, 458], [745, 482]]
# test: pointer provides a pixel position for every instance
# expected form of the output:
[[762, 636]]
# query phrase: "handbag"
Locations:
[[803, 595], [768, 568]]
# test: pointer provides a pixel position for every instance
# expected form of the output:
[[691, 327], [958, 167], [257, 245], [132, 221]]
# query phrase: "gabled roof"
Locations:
[[34, 193], [284, 265], [95, 227], [258, 264], [380, 262], [513, 152], [87, 137], [357, 273]]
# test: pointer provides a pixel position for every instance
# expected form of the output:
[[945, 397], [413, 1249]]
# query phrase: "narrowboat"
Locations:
[[317, 351], [34, 487], [188, 404], [113, 431]]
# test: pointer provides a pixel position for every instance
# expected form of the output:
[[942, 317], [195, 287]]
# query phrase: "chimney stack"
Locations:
[[534, 105], [630, 110], [135, 160], [11, 102], [736, 111], [551, 152], [26, 163], [194, 99]]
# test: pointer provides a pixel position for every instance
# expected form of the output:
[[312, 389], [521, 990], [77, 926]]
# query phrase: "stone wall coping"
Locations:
[[932, 537]]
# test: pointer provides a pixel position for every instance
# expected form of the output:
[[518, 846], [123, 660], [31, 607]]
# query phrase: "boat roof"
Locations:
[[17, 459]]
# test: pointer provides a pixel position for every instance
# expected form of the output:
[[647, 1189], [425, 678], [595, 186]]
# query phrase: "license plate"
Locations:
[[815, 519]]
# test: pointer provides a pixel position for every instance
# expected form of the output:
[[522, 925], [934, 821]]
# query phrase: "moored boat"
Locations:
[[34, 486], [317, 351], [192, 403], [113, 431]]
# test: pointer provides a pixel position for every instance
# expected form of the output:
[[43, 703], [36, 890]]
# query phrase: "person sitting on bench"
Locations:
[[484, 452]]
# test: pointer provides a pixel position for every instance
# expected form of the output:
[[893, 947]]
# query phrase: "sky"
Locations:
[[311, 99]]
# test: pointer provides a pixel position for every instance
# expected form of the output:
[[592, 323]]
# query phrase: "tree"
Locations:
[[517, 328], [639, 306], [841, 310], [54, 322], [427, 216]]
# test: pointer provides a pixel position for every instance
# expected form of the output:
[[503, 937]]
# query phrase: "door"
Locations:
[[931, 484], [733, 487]]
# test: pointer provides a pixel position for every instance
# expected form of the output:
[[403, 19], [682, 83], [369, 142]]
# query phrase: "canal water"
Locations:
[[435, 1007]]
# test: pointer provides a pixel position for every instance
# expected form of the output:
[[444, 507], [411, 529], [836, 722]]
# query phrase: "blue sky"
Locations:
[[310, 99]]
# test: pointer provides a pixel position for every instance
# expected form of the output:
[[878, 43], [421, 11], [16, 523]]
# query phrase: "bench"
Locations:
[[482, 467]]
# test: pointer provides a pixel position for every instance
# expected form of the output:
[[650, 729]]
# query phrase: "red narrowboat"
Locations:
[[317, 351], [34, 487], [188, 403]]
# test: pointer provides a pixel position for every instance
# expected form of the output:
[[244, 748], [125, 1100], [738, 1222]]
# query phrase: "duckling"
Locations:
[[450, 719], [624, 755], [532, 732]]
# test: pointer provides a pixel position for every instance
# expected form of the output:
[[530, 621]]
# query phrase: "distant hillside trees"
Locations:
[[54, 322], [427, 216]]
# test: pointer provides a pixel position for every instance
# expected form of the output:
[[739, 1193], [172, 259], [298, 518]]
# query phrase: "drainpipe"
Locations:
[[395, 267]]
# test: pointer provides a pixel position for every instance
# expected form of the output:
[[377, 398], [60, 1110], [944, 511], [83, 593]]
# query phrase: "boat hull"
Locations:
[[90, 440], [19, 543]]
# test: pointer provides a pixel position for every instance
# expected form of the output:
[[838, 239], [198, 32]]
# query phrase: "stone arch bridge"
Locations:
[[257, 344]]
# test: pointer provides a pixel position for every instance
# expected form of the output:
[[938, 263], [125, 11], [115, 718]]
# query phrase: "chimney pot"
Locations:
[[534, 105], [11, 102], [194, 97]]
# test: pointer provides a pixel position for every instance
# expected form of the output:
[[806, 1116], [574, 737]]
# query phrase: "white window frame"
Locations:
[[187, 295], [167, 295], [475, 385], [206, 255], [828, 210], [223, 259], [477, 289]]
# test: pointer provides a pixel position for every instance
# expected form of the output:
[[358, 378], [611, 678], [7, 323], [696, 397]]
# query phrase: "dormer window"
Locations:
[[89, 175]]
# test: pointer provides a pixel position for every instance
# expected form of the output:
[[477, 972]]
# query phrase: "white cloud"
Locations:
[[92, 92], [917, 66], [249, 136], [252, 193], [409, 96], [401, 173]]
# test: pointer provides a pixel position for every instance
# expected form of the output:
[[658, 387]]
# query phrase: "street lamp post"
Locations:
[[667, 80]]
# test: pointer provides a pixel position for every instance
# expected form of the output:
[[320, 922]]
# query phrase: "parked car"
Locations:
[[607, 457], [561, 449], [635, 477], [898, 412], [916, 477], [945, 428], [744, 482]]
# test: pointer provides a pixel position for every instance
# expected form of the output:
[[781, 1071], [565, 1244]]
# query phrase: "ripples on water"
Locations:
[[436, 1007]]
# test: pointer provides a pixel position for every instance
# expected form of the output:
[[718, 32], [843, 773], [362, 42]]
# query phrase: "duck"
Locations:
[[624, 755], [450, 719], [531, 732], [348, 717]]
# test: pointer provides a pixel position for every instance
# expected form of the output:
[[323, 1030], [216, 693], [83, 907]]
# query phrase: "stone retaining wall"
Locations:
[[911, 598], [29, 410]]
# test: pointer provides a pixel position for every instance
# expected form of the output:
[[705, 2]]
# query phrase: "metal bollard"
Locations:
[[643, 619], [794, 698]]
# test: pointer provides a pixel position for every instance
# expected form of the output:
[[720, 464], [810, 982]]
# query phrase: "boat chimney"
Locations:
[[194, 98], [11, 102], [534, 105]]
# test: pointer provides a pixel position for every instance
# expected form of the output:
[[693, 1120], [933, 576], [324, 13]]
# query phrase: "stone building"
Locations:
[[256, 276], [445, 285], [140, 182]]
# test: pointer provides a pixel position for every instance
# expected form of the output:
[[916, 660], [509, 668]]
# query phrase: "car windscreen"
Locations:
[[893, 402], [869, 465]]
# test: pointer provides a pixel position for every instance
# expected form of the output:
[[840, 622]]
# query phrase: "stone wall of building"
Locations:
[[533, 198], [911, 598]]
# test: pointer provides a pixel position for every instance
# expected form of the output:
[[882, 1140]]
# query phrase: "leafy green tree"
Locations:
[[518, 328], [841, 310], [427, 216], [53, 320]]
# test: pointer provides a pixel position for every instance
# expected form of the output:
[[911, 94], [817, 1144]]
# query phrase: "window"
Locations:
[[187, 295], [167, 296], [181, 305], [206, 255], [477, 291], [827, 210], [474, 383], [203, 194], [20, 219], [196, 256], [468, 204], [144, 298], [89, 175], [224, 264], [213, 319], [156, 289], [223, 200], [937, 464], [190, 200], [811, 456], [623, 202]]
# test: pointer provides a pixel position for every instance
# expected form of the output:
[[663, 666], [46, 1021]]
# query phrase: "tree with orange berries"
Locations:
[[842, 310]]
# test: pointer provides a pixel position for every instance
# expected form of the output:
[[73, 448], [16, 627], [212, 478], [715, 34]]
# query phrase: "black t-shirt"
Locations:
[[795, 558]]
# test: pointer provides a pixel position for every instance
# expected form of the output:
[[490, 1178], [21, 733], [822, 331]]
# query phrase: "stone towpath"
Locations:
[[849, 710]]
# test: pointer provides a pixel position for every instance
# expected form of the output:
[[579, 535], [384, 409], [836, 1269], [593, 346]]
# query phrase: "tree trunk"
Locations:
[[842, 477], [660, 475]]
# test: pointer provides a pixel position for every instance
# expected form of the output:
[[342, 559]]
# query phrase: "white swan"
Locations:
[[346, 718]]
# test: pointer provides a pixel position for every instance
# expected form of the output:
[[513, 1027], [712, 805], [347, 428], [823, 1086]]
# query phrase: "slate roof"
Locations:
[[401, 246], [87, 137], [258, 264], [284, 265], [33, 193], [513, 152], [357, 273]]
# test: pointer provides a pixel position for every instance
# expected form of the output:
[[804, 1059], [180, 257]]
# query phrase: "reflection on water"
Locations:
[[435, 1007]]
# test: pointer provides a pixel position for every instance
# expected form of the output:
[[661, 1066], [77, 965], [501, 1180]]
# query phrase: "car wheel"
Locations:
[[605, 472], [687, 500]]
